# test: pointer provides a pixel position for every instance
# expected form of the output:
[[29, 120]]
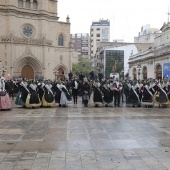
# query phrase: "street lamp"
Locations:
[[139, 68]]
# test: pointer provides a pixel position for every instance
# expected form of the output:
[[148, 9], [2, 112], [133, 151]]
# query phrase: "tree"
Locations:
[[84, 65]]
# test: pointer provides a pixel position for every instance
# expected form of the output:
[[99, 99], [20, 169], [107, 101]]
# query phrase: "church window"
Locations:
[[60, 40], [20, 3], [35, 4], [28, 4]]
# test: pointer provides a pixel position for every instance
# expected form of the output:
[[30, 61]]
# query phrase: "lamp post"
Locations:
[[139, 68]]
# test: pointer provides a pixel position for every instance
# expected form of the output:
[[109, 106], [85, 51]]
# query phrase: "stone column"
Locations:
[[31, 6], [24, 3]]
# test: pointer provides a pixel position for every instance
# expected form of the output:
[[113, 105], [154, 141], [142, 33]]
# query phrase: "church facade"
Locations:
[[33, 42]]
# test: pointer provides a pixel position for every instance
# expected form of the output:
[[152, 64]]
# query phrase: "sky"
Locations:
[[126, 16]]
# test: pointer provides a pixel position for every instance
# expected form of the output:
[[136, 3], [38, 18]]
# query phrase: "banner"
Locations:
[[166, 70]]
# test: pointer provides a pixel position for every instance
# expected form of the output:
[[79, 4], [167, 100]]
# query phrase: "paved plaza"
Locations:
[[78, 138]]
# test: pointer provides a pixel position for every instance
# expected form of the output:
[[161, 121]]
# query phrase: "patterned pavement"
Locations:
[[78, 138]]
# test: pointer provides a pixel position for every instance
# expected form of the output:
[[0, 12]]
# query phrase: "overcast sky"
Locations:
[[126, 16]]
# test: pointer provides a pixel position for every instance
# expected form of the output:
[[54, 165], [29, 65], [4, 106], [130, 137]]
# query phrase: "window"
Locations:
[[35, 4], [20, 3], [60, 40], [28, 4], [97, 35]]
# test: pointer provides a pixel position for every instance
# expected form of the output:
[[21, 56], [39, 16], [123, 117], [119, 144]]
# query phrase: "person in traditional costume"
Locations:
[[65, 96], [147, 96], [108, 94], [75, 87], [5, 100], [33, 99], [57, 91], [40, 87], [166, 87], [48, 99], [24, 91], [153, 86], [133, 98], [160, 97], [97, 93], [18, 89], [139, 86], [126, 89], [85, 92], [10, 90]]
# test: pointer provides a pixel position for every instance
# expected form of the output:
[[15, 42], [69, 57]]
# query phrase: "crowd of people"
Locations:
[[104, 92]]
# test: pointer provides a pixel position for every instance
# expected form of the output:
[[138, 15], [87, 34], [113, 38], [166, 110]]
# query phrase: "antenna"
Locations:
[[168, 14]]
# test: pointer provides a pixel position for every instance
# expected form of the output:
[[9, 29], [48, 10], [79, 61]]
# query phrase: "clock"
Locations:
[[27, 31]]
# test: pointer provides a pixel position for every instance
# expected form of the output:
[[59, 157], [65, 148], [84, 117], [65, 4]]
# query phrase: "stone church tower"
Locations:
[[33, 42]]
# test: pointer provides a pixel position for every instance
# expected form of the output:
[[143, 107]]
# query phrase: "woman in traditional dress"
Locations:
[[5, 100], [48, 98], [133, 98], [65, 96], [57, 90], [160, 97], [40, 87], [18, 100], [147, 96], [108, 94], [33, 98], [24, 91], [97, 93]]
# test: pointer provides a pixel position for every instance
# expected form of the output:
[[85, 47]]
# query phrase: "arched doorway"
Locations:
[[144, 73], [60, 74], [134, 74], [27, 67], [158, 71], [27, 72]]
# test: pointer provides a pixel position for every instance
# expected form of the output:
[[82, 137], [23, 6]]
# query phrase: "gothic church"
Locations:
[[33, 42]]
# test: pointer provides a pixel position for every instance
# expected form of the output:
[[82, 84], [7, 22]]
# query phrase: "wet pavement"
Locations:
[[91, 138]]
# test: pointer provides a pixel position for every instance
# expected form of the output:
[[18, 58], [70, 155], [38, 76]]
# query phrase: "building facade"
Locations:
[[154, 62], [99, 32], [33, 42], [147, 34], [113, 57], [81, 44]]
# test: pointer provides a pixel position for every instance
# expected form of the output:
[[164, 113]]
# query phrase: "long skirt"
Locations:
[[97, 96], [5, 102], [48, 99], [147, 98], [133, 98], [63, 99], [18, 100], [161, 97]]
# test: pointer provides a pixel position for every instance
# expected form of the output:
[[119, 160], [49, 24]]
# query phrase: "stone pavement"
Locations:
[[78, 138]]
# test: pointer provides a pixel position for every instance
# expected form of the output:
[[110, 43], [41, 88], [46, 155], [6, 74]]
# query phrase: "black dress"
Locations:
[[147, 97], [97, 95], [108, 94], [34, 98], [133, 98]]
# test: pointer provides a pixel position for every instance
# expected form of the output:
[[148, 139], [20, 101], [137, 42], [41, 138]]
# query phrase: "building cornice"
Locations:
[[28, 41], [10, 10]]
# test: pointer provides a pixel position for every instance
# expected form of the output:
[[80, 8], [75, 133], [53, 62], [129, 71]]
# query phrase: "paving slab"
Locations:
[[91, 138]]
